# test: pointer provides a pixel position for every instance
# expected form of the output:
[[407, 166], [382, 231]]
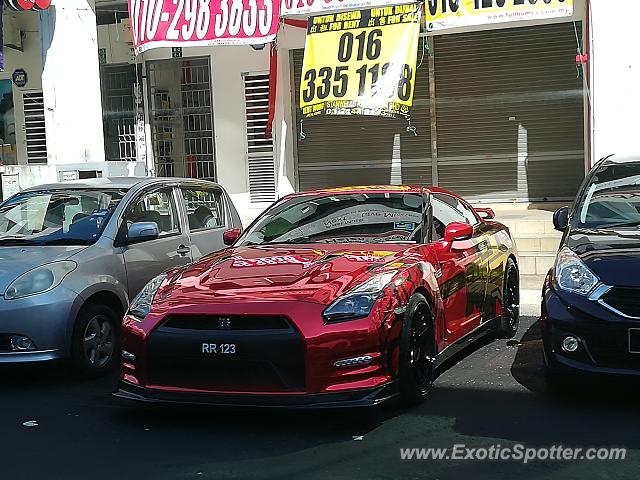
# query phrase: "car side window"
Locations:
[[204, 208], [158, 207], [448, 209]]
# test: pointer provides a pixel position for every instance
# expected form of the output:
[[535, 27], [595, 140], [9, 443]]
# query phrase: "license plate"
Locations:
[[218, 348], [634, 340]]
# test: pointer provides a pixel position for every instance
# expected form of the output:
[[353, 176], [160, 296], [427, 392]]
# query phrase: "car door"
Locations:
[[464, 274], [207, 217], [171, 249]]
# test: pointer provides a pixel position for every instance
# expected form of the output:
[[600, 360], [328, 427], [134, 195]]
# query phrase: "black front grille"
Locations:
[[233, 360], [611, 350], [226, 322], [625, 300], [5, 343]]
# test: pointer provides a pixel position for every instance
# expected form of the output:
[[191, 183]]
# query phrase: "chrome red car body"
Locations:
[[288, 351]]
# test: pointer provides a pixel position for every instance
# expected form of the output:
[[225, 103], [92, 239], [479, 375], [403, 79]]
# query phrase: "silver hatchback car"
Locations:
[[72, 255]]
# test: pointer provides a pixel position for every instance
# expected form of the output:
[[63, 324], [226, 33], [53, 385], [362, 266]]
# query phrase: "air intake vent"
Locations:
[[35, 127], [262, 182]]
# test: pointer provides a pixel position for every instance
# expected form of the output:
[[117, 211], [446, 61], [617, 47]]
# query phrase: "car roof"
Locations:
[[375, 189], [124, 183], [618, 159]]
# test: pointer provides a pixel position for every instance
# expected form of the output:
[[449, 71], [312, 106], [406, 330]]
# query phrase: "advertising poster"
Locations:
[[361, 62], [441, 15], [180, 23]]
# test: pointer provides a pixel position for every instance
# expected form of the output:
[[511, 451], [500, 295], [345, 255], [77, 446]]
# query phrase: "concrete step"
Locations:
[[530, 226], [532, 282], [535, 263], [538, 242]]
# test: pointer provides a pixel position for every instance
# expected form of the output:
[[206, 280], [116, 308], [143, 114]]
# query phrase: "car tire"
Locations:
[[95, 341], [510, 317], [418, 351]]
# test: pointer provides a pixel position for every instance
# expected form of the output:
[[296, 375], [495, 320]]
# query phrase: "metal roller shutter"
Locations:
[[342, 151], [510, 113]]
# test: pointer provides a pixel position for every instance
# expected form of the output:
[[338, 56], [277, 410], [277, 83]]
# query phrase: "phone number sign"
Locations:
[[174, 23], [361, 62]]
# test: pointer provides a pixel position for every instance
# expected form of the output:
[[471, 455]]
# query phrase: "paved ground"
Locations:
[[493, 395]]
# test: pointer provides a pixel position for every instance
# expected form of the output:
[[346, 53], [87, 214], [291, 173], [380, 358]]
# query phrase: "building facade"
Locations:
[[502, 113]]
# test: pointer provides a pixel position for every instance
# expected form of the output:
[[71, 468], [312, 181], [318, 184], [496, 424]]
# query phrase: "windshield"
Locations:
[[612, 198], [343, 218], [57, 217]]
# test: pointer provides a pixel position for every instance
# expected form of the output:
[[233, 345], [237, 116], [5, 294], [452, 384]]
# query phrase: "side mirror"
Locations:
[[457, 231], [486, 213], [561, 219], [230, 236], [142, 232]]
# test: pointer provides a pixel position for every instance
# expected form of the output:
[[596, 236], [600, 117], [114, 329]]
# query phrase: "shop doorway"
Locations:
[[181, 118]]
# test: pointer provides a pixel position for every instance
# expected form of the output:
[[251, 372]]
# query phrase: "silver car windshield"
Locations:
[[57, 217]]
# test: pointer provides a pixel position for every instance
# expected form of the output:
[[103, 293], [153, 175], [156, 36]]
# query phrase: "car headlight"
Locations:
[[358, 302], [572, 274], [141, 304], [39, 280]]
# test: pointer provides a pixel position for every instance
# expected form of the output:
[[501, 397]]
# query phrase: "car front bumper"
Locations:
[[353, 398], [603, 338], [46, 319]]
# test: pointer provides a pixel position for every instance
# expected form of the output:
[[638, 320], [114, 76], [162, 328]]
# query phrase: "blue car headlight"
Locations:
[[573, 275], [141, 304], [358, 302]]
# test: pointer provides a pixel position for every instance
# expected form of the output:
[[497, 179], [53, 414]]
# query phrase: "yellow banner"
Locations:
[[361, 62], [443, 14]]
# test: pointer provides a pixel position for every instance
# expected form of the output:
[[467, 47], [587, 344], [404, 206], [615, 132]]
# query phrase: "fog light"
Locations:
[[570, 344], [128, 356], [21, 344], [347, 362]]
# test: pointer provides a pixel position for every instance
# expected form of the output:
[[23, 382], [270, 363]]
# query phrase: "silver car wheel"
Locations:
[[99, 341]]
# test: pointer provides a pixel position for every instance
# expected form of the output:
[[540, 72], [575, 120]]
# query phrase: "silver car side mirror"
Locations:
[[142, 232]]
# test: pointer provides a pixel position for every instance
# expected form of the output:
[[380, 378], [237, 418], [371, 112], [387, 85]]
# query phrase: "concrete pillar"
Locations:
[[71, 83], [615, 77]]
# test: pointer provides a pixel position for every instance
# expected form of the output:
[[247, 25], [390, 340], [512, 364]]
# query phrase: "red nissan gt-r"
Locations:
[[339, 297]]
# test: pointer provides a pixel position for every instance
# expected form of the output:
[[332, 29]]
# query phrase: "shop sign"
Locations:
[[181, 23], [361, 62], [305, 7], [20, 78], [443, 14]]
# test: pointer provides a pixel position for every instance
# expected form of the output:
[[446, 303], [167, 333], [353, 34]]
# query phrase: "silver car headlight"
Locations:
[[141, 304], [358, 302], [572, 274], [39, 280]]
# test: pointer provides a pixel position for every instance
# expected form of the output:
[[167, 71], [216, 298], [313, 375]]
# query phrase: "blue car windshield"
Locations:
[[57, 217]]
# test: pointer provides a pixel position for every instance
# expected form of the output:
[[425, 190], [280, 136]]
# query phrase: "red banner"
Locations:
[[171, 23]]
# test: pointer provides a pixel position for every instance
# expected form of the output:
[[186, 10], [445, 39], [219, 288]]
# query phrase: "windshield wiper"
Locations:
[[305, 239], [621, 224], [67, 241], [15, 241]]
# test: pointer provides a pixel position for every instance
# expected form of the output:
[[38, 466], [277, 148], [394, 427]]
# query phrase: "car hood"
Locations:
[[614, 256], [316, 273], [14, 261]]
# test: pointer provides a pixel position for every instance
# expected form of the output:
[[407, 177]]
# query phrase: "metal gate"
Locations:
[[181, 120], [499, 117], [119, 111]]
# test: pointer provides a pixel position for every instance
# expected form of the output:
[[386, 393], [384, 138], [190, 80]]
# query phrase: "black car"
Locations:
[[591, 298]]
